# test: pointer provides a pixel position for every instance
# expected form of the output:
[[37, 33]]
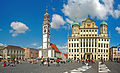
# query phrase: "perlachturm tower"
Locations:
[[46, 50]]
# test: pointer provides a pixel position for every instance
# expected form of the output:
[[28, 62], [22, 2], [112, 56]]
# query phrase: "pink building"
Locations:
[[31, 53]]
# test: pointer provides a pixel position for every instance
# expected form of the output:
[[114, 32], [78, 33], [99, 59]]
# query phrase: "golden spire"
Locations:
[[46, 10]]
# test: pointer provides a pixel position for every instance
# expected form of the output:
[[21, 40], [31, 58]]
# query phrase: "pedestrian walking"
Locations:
[[48, 61], [42, 61], [57, 62]]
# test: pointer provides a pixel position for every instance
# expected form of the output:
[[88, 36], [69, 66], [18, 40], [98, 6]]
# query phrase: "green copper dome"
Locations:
[[103, 23], [75, 23]]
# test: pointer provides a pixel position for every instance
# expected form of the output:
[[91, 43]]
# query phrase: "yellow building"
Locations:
[[86, 43]]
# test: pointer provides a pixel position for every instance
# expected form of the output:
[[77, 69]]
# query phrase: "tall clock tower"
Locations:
[[46, 50]]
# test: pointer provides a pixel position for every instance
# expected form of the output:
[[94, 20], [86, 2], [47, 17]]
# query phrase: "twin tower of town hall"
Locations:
[[84, 42]]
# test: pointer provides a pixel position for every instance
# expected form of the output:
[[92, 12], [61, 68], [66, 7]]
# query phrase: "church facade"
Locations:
[[46, 50], [86, 43]]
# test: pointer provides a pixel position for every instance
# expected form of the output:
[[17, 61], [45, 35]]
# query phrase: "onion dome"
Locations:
[[103, 23]]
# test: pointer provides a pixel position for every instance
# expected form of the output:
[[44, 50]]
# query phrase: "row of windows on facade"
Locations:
[[92, 55], [103, 45], [82, 56], [86, 44], [88, 39], [87, 30], [88, 50], [77, 50], [83, 44], [14, 51]]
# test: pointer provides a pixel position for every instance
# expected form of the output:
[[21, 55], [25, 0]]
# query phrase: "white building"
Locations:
[[46, 50], [86, 43]]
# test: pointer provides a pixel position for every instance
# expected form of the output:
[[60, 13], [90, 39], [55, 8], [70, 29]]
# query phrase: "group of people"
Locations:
[[46, 62], [10, 63]]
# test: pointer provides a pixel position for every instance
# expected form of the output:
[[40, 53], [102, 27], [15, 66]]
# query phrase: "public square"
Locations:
[[63, 68]]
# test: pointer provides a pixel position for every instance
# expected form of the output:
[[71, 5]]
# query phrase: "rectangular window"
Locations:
[[74, 50], [99, 44], [98, 50], [81, 44], [92, 30], [84, 44], [74, 44], [77, 44], [69, 50], [81, 49], [106, 51], [84, 49], [69, 44], [89, 30], [92, 50], [95, 30], [77, 50], [89, 49], [107, 45]]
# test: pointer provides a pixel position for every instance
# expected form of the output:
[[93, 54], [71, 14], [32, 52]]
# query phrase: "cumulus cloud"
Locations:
[[69, 21], [118, 29], [34, 44], [18, 27], [1, 44], [57, 21], [78, 10]]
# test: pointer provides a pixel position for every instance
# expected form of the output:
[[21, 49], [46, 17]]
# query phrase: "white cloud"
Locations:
[[62, 48], [118, 29], [78, 10], [57, 21], [34, 44], [18, 27], [39, 47], [1, 44], [69, 21]]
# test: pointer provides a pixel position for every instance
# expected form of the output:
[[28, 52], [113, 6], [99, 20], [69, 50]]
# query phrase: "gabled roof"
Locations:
[[55, 47]]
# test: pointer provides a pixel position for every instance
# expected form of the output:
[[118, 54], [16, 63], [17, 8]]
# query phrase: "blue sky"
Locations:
[[21, 20]]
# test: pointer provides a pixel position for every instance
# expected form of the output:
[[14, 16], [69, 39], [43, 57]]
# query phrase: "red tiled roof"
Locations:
[[11, 46], [65, 55], [55, 47]]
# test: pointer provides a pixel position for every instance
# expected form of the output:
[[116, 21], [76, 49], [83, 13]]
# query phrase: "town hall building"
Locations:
[[86, 43]]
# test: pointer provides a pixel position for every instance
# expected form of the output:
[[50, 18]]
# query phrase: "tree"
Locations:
[[13, 56]]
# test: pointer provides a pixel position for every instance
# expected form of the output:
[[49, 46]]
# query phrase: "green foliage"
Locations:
[[13, 56]]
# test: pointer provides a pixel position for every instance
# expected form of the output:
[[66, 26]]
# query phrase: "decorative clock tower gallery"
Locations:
[[46, 50]]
